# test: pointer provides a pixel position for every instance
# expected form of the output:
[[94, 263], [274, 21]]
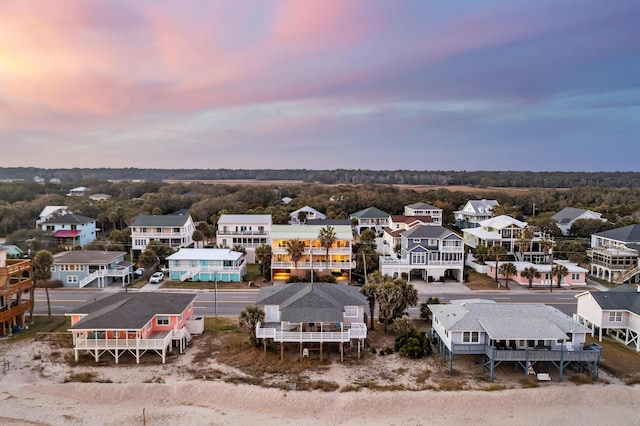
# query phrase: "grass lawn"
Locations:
[[618, 359], [253, 275], [478, 281]]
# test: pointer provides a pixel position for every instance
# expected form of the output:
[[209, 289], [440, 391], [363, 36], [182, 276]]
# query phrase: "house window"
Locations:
[[470, 337], [162, 320], [575, 277], [72, 279], [176, 230], [615, 316], [350, 311]]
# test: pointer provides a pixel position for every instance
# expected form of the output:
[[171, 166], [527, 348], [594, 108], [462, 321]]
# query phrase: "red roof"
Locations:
[[66, 233]]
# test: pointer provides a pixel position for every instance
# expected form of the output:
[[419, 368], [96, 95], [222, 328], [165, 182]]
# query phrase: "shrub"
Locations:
[[402, 325], [413, 344], [425, 312]]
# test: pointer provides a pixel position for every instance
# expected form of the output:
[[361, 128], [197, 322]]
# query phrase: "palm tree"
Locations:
[[524, 242], [295, 248], [496, 252], [389, 295], [559, 271], [264, 255], [327, 237], [480, 253], [530, 273], [41, 263], [249, 318], [369, 291], [197, 236], [409, 296], [508, 270]]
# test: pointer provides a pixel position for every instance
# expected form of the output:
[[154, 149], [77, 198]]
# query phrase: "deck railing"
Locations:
[[355, 331], [141, 344]]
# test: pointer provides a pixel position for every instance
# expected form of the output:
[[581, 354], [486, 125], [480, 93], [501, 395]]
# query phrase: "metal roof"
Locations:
[[205, 254], [245, 219]]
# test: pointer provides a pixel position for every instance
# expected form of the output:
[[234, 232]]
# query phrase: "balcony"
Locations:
[[275, 331], [7, 314], [224, 233], [314, 265]]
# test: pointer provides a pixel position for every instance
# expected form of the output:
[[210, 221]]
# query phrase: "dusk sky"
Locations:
[[321, 84]]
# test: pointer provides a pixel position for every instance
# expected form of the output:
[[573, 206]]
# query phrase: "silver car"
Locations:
[[156, 278]]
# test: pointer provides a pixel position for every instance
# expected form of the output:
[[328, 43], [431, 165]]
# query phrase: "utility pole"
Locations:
[[215, 295], [551, 270]]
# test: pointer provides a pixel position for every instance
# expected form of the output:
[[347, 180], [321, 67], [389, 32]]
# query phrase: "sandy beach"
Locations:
[[33, 391]]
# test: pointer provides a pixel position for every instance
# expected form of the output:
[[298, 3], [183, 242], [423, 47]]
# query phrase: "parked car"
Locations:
[[139, 272], [156, 278]]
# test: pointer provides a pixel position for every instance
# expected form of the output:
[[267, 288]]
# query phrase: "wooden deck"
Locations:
[[355, 331]]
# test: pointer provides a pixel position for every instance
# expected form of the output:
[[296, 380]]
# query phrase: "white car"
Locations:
[[156, 278]]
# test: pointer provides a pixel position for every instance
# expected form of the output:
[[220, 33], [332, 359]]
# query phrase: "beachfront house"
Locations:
[[535, 337], [134, 323], [311, 315], [614, 254]]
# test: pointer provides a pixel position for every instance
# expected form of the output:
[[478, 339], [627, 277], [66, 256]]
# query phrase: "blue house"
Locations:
[[206, 264], [71, 230], [91, 268]]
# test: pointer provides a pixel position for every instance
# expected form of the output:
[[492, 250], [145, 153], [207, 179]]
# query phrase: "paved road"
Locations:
[[232, 302]]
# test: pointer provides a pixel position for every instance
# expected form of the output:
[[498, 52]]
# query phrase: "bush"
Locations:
[[413, 344]]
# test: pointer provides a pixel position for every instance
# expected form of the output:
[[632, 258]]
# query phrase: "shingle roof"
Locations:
[[628, 234], [87, 256], [370, 212], [165, 220], [422, 206], [129, 311], [507, 321], [623, 298], [427, 231], [311, 302], [70, 219]]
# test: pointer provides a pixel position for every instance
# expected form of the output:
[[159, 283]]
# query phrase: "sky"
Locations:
[[545, 85]]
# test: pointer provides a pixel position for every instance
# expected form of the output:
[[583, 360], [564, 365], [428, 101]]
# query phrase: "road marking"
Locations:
[[502, 298], [61, 300], [566, 298], [219, 301]]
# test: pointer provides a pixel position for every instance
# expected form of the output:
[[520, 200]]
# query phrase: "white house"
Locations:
[[247, 230], [432, 252], [424, 209], [312, 314], [77, 192], [614, 254], [207, 264], [615, 312], [391, 236], [474, 212], [524, 334], [370, 218], [50, 211], [303, 214], [567, 216], [170, 230]]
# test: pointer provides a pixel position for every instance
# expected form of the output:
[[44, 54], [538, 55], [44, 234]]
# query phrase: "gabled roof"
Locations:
[[308, 210], [428, 231], [205, 254], [569, 214], [129, 311], [501, 222], [507, 321], [623, 298], [483, 206], [370, 213], [93, 257], [69, 219], [245, 219], [49, 210], [411, 219], [308, 232], [311, 302], [627, 234], [165, 220], [332, 222], [422, 206]]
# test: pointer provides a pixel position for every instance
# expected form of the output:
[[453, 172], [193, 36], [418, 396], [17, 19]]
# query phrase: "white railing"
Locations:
[[240, 233], [140, 344], [182, 333], [316, 265], [89, 279], [354, 331], [190, 273]]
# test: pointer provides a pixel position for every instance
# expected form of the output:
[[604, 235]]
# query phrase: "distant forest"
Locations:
[[499, 179]]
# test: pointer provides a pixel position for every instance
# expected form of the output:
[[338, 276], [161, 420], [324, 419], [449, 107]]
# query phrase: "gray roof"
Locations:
[[93, 257], [332, 222], [428, 231], [623, 298], [311, 302], [166, 220], [422, 206], [70, 219], [129, 311], [568, 214], [627, 234], [507, 321], [370, 212]]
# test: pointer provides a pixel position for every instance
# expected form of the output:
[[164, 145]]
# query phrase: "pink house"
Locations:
[[576, 276], [135, 323]]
